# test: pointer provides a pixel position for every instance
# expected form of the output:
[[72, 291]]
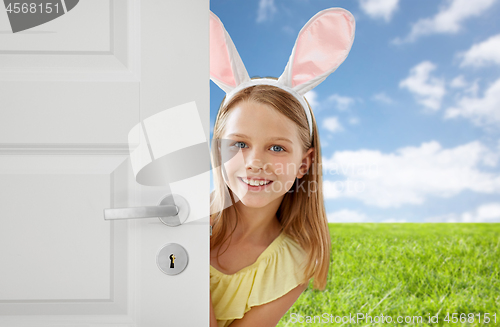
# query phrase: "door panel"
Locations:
[[71, 90]]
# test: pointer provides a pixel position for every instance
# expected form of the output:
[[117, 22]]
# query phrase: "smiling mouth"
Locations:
[[254, 183]]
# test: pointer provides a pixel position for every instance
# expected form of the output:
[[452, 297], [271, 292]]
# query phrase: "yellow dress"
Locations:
[[278, 270]]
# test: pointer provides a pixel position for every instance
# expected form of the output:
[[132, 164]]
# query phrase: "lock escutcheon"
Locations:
[[172, 259]]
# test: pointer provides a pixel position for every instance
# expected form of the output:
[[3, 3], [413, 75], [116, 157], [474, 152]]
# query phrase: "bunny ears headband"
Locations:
[[321, 46]]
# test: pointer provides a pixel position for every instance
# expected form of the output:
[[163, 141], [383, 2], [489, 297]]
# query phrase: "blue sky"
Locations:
[[410, 122]]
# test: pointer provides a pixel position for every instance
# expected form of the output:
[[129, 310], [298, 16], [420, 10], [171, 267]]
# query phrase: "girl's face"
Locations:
[[262, 154]]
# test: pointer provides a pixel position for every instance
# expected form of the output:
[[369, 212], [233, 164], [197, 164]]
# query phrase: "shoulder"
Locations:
[[284, 254], [280, 271], [292, 250], [292, 245]]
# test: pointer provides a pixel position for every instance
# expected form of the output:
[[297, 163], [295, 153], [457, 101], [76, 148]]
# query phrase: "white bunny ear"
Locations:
[[226, 68], [322, 45]]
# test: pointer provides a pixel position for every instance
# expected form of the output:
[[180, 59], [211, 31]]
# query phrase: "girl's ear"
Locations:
[[226, 68], [321, 46], [307, 161]]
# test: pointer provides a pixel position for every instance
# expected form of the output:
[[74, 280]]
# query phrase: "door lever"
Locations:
[[172, 210]]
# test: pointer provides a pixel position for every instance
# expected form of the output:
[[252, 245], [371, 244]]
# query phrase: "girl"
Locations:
[[269, 228]]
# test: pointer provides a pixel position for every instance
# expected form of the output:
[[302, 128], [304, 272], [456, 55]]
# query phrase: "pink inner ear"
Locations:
[[322, 46], [220, 64]]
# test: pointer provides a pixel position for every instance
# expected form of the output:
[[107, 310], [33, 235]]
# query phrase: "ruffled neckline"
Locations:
[[269, 250]]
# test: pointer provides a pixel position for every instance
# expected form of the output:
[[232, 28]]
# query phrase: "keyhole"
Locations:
[[172, 259]]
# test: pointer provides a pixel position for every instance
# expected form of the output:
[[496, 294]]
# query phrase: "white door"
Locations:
[[71, 92]]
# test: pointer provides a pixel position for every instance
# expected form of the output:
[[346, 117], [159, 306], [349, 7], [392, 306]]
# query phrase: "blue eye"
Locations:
[[236, 144], [282, 149]]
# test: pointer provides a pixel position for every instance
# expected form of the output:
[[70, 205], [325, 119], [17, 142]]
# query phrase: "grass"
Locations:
[[407, 270]]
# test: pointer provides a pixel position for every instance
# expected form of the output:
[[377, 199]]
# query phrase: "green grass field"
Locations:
[[407, 270]]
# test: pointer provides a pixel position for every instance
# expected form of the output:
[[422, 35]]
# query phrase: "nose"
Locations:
[[254, 161], [254, 165]]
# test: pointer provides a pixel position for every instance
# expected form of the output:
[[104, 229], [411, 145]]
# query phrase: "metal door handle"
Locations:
[[140, 212], [173, 210]]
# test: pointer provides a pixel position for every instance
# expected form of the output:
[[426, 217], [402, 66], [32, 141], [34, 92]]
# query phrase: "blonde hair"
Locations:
[[301, 214]]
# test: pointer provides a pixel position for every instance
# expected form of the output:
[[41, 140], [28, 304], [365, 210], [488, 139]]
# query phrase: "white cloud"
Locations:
[[266, 10], [458, 82], [463, 86], [427, 89], [485, 213], [382, 97], [473, 88], [410, 175], [346, 216], [341, 102], [449, 19], [332, 124], [393, 220], [482, 54], [379, 9], [352, 216], [483, 111], [312, 98]]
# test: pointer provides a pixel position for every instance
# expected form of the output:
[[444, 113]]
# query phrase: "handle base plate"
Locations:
[[181, 203]]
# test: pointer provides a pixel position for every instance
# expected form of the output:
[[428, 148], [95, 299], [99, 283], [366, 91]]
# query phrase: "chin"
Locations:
[[252, 201], [254, 204]]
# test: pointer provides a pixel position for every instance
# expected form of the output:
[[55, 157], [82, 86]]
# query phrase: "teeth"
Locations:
[[255, 183]]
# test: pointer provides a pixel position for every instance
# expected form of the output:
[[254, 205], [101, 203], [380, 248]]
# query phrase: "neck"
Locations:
[[257, 224]]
